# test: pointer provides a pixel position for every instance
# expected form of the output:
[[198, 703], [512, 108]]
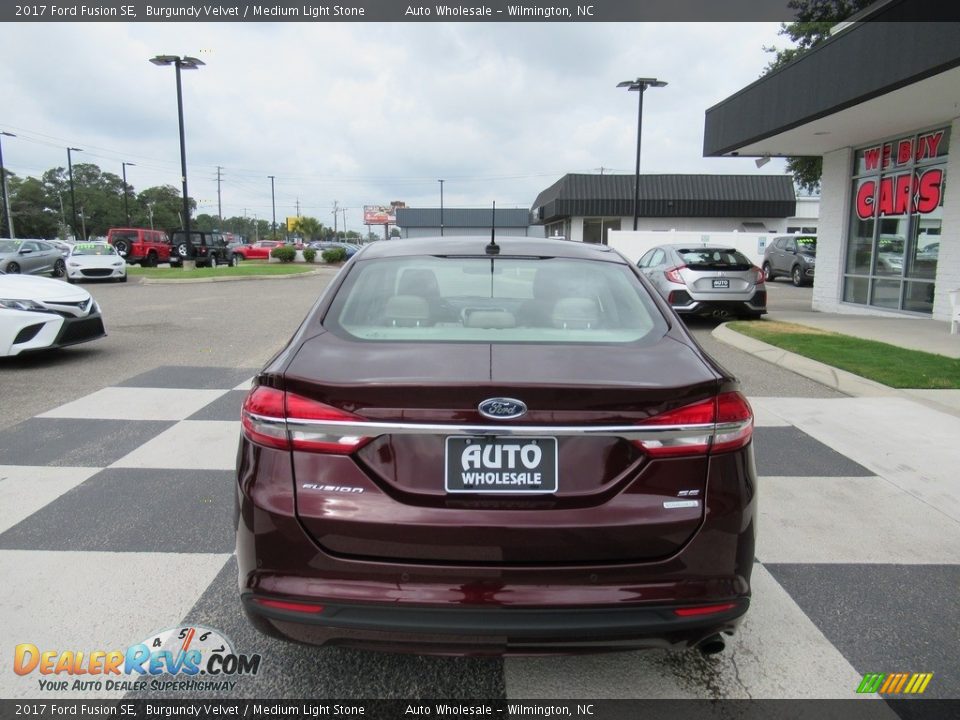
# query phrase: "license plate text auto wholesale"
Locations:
[[721, 282], [501, 465]]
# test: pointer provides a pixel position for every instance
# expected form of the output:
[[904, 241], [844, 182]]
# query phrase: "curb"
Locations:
[[835, 378], [191, 281]]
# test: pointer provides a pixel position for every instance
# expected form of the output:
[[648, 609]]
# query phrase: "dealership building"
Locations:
[[880, 102], [585, 207]]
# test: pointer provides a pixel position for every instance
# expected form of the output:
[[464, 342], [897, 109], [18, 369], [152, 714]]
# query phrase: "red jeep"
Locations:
[[140, 245]]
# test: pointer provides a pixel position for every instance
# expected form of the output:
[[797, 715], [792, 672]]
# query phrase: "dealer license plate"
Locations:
[[501, 465], [721, 282]]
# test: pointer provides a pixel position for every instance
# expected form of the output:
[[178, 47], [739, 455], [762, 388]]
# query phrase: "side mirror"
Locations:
[[25, 251]]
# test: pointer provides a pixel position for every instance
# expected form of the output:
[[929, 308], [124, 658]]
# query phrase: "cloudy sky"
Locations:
[[365, 113]]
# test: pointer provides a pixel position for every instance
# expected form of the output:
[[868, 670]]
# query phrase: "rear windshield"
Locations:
[[481, 299], [706, 258], [129, 235]]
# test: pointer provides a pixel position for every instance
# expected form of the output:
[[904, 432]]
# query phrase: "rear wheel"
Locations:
[[150, 260], [59, 268], [797, 276], [235, 260], [122, 247], [767, 272], [12, 269]]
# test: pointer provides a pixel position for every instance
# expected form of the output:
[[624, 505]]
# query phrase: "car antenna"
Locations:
[[493, 248]]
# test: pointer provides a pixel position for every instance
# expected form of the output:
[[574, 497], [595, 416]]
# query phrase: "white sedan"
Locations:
[[95, 261], [40, 314]]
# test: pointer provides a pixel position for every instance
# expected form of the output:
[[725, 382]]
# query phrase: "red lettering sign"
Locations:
[[871, 158], [904, 151], [900, 194]]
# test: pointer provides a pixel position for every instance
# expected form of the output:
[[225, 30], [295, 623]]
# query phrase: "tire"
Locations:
[[235, 260], [796, 276], [768, 275], [122, 247], [71, 280], [213, 263], [181, 250], [59, 268], [12, 269], [124, 278], [150, 260]]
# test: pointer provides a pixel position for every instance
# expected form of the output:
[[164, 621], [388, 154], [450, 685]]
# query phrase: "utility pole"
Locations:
[[344, 211], [336, 211], [273, 200], [298, 207], [126, 203], [3, 189], [219, 201]]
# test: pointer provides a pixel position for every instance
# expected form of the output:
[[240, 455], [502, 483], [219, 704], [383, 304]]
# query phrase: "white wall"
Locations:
[[635, 244], [832, 230], [699, 225], [948, 262]]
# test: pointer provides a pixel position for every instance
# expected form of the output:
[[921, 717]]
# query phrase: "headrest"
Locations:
[[406, 311], [576, 313]]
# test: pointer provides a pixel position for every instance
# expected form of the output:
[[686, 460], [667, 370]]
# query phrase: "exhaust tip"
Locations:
[[712, 645]]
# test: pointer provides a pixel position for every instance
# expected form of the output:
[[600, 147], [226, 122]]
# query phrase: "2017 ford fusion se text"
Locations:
[[510, 447]]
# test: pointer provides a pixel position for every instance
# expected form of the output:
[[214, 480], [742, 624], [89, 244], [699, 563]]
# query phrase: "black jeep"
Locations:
[[209, 249]]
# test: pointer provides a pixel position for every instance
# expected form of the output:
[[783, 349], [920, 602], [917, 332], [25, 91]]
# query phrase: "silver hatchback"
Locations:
[[706, 280]]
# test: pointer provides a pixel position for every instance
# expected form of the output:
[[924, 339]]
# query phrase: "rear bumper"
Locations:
[[490, 608], [756, 305], [493, 630]]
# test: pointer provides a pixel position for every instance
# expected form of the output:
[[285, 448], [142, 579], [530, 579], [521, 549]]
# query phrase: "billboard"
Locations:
[[378, 215]]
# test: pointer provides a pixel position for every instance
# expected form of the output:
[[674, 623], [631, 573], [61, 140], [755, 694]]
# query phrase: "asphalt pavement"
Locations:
[[116, 476]]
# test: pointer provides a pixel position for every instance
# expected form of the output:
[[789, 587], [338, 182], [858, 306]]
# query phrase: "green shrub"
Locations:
[[284, 253], [334, 255], [309, 254]]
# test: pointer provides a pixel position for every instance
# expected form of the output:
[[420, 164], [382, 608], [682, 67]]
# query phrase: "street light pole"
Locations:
[[273, 202], [126, 204], [73, 199], [185, 63], [441, 207], [639, 86], [3, 188]]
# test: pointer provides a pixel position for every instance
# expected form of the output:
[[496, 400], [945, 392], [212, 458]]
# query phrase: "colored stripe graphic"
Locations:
[[894, 683]]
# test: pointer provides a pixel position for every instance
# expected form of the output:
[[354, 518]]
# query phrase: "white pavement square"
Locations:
[[909, 444], [761, 661], [764, 412], [132, 403], [92, 601], [189, 445], [850, 520], [24, 489]]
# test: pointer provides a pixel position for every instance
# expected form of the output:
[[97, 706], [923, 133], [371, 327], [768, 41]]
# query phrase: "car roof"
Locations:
[[476, 245]]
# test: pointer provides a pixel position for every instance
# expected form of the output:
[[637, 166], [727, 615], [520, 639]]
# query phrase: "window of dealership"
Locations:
[[896, 212]]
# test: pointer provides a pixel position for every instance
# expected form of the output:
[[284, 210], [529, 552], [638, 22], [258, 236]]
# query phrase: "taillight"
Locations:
[[715, 425], [759, 280], [673, 274], [283, 420], [289, 606], [704, 610]]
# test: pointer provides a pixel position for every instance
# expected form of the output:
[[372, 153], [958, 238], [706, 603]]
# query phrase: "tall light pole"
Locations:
[[3, 188], [181, 63], [73, 199], [273, 202], [639, 86], [441, 207], [126, 204]]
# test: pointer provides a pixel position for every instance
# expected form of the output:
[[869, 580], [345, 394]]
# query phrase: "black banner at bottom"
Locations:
[[854, 709]]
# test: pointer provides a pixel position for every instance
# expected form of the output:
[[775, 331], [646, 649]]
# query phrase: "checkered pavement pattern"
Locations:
[[116, 516]]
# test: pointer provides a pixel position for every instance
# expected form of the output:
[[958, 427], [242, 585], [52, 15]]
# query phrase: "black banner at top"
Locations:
[[414, 11]]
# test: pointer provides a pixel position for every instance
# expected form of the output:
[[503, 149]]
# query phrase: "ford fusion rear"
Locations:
[[466, 450]]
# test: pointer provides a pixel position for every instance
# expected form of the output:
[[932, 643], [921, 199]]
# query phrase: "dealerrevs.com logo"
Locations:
[[190, 658], [895, 683]]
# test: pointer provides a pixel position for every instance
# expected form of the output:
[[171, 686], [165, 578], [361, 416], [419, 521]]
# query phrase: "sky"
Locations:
[[368, 113]]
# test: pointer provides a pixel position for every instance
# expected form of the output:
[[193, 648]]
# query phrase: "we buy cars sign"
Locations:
[[919, 191]]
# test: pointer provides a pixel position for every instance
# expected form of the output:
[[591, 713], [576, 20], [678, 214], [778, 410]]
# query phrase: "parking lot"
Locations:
[[116, 505]]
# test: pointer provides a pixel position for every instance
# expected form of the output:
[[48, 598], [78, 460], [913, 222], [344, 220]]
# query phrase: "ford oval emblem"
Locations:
[[502, 408]]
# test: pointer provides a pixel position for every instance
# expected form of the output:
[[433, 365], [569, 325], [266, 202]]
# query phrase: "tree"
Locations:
[[395, 233], [164, 204], [815, 18], [33, 214], [308, 227], [205, 222]]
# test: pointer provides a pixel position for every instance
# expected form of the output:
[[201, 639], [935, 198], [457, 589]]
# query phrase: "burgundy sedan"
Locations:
[[509, 448]]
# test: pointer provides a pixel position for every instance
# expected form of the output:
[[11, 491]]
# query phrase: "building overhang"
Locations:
[[871, 80]]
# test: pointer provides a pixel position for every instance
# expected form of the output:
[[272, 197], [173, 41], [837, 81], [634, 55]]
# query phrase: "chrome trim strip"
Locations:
[[629, 432]]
